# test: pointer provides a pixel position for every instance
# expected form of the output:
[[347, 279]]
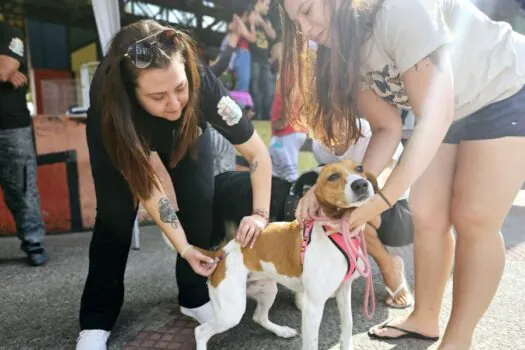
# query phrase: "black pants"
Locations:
[[104, 290]]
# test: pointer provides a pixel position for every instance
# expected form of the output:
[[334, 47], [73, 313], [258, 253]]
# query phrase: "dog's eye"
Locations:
[[334, 177], [359, 168]]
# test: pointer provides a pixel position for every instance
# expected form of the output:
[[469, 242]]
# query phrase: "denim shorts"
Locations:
[[499, 119]]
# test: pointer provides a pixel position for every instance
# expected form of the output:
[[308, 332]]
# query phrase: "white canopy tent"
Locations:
[[107, 17]]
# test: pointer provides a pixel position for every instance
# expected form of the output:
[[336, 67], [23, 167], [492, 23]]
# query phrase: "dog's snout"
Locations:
[[359, 186]]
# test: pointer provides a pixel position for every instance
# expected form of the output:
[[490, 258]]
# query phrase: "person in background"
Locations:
[[18, 167], [261, 81], [242, 63], [286, 141], [219, 59]]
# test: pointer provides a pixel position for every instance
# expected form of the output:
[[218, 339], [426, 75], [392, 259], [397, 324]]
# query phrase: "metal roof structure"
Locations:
[[206, 18]]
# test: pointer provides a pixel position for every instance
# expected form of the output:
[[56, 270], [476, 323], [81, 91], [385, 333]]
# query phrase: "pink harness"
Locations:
[[349, 244]]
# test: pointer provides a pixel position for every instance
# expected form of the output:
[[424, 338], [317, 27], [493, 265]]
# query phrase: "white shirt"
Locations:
[[487, 57], [356, 152]]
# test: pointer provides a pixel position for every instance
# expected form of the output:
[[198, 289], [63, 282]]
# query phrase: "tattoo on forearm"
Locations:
[[253, 166], [167, 213]]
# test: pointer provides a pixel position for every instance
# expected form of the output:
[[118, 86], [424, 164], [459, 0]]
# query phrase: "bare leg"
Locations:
[[392, 269], [489, 175], [430, 199]]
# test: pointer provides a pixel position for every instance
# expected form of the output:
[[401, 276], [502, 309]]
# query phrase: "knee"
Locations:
[[115, 222], [427, 217], [469, 217]]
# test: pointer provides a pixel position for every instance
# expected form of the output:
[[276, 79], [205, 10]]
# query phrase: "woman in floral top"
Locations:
[[462, 75]]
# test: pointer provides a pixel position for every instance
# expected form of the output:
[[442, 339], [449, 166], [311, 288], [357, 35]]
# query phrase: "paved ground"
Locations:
[[38, 306]]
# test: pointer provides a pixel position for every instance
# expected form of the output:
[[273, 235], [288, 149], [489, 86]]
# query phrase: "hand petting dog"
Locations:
[[366, 213], [250, 228], [308, 206]]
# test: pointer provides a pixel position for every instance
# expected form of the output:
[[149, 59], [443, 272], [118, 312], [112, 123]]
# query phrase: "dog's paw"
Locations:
[[285, 332]]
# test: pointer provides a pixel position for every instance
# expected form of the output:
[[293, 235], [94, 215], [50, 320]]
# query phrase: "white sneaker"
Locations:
[[202, 313], [92, 339]]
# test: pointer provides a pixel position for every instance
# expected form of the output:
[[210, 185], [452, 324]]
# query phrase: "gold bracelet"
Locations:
[[185, 250]]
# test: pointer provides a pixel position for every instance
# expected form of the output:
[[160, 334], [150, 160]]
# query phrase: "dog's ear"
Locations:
[[371, 177], [305, 181]]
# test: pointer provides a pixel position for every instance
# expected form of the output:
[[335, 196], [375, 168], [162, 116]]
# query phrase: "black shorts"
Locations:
[[499, 119], [396, 228]]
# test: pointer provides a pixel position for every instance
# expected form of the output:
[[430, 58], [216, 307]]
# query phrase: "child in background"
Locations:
[[244, 15], [286, 141]]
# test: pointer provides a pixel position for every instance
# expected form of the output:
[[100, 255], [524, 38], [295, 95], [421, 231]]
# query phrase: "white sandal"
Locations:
[[399, 289]]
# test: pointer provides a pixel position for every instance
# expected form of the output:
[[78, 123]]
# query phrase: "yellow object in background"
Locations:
[[83, 55]]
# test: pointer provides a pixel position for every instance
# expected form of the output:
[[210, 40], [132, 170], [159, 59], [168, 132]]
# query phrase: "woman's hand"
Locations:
[[18, 79], [200, 263], [307, 207], [250, 228], [367, 212]]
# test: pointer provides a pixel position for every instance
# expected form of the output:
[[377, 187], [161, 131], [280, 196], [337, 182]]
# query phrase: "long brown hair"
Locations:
[[327, 84], [125, 146]]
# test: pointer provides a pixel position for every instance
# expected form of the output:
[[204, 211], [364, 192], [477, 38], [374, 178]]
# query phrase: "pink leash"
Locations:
[[355, 254]]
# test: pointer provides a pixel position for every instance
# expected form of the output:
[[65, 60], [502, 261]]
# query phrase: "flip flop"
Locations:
[[406, 334], [403, 285], [393, 295]]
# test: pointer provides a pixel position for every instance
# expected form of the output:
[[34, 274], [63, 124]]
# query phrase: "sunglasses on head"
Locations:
[[141, 52]]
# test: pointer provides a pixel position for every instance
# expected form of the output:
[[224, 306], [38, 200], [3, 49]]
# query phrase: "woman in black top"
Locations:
[[150, 93]]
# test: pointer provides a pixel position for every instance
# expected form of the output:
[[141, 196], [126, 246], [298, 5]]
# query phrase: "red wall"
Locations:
[[58, 134]]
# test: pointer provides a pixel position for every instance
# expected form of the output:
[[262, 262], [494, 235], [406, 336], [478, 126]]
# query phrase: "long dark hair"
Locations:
[[327, 82], [126, 148]]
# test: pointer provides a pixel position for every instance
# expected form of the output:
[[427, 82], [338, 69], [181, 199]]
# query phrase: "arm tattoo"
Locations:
[[167, 213], [254, 166]]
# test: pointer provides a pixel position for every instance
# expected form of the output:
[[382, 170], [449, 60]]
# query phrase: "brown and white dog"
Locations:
[[317, 271]]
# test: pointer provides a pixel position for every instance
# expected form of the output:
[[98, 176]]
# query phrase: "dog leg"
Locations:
[[264, 292], [344, 303], [228, 301], [299, 300], [312, 315], [226, 316]]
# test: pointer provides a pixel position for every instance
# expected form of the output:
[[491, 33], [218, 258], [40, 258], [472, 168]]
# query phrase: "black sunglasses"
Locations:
[[141, 52]]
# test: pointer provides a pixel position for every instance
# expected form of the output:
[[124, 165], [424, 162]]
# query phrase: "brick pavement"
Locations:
[[175, 334]]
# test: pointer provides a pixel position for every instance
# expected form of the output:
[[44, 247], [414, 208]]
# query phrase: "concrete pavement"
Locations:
[[39, 306]]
